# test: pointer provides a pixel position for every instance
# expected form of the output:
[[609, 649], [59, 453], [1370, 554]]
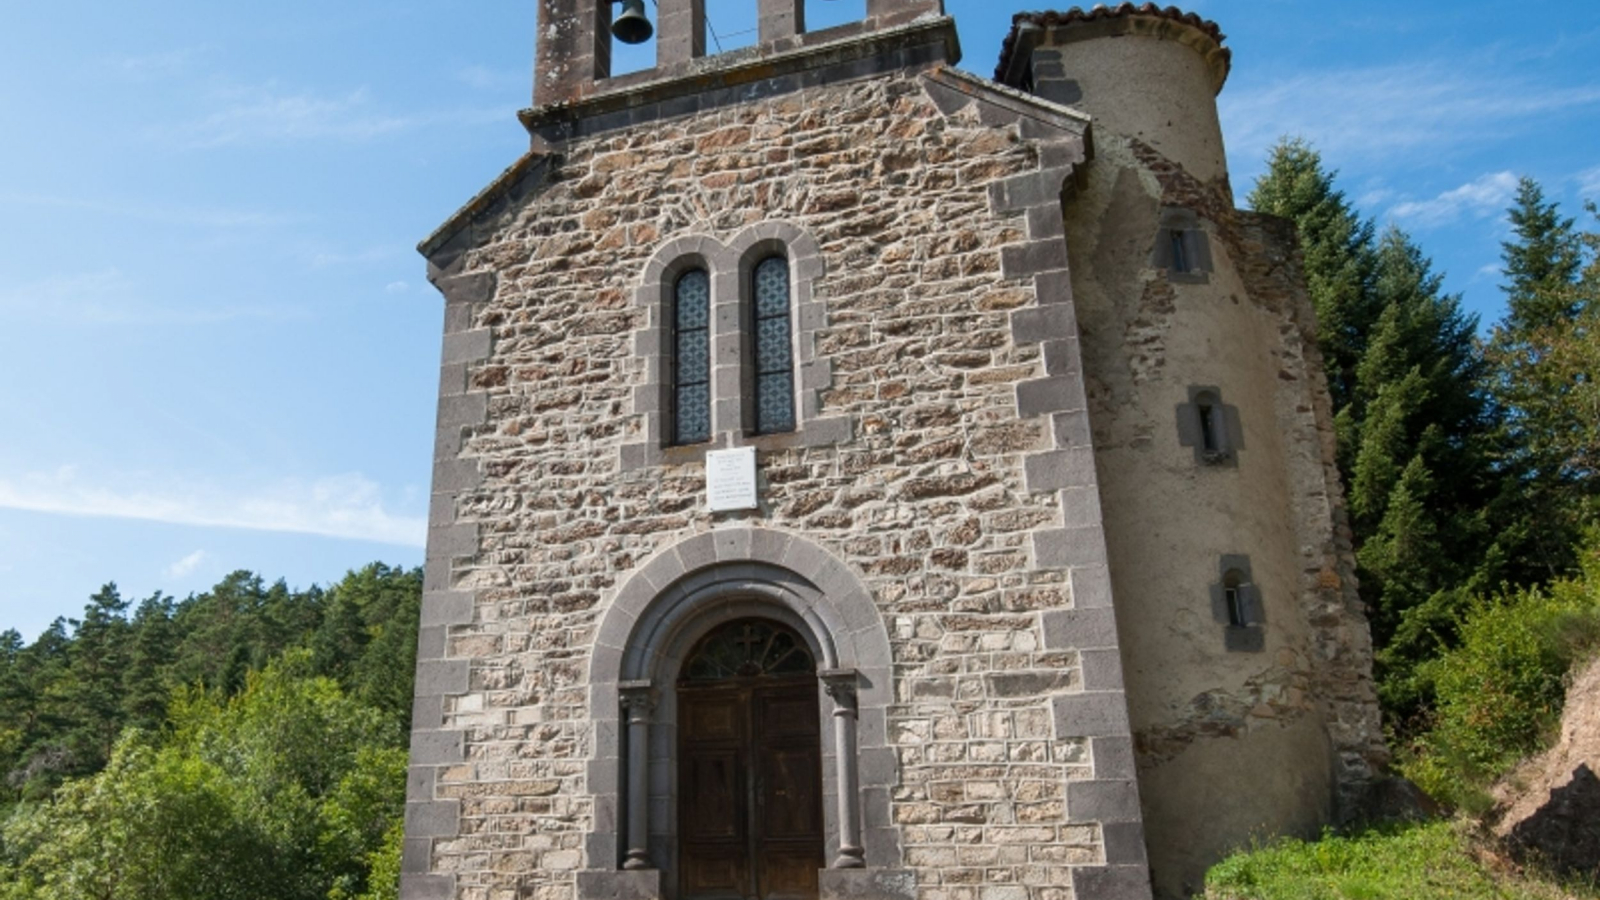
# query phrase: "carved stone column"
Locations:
[[841, 686], [638, 699]]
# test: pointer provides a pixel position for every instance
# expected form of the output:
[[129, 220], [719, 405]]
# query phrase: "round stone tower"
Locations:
[[1245, 650]]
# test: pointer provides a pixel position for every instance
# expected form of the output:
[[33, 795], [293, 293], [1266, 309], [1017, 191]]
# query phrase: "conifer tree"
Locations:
[[1337, 246], [1545, 355]]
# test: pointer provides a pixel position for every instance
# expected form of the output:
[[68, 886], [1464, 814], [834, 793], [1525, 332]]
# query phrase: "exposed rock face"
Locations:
[[1548, 809]]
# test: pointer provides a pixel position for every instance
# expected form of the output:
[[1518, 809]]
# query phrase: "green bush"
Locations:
[[1411, 861], [1498, 696]]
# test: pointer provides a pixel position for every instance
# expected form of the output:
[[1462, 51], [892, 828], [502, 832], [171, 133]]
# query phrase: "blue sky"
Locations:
[[217, 347]]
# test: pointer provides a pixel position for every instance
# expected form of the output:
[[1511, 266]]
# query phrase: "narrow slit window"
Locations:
[[691, 358], [774, 354], [1208, 427], [1180, 251], [1233, 597]]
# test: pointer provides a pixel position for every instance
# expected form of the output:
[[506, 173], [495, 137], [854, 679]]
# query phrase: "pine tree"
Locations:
[[1544, 356], [1337, 246]]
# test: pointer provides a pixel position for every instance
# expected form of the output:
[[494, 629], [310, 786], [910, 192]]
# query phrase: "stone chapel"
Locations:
[[858, 478]]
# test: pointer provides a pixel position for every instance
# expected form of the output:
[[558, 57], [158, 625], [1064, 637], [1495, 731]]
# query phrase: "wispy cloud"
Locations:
[[204, 217], [184, 567], [1377, 110], [1589, 184], [343, 506], [151, 66], [1484, 196], [396, 287], [486, 79], [108, 297], [269, 114], [323, 259]]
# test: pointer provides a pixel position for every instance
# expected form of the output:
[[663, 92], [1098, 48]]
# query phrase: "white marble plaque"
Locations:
[[731, 479]]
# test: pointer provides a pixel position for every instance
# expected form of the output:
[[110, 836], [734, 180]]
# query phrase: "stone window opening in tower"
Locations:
[[1180, 250], [691, 358], [772, 346], [1233, 589]]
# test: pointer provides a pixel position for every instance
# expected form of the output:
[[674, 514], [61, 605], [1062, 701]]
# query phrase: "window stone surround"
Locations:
[[729, 265]]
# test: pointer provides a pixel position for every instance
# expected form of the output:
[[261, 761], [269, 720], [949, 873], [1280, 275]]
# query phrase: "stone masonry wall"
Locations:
[[949, 503]]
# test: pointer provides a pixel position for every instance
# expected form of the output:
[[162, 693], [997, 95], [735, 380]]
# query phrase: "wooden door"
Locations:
[[749, 787]]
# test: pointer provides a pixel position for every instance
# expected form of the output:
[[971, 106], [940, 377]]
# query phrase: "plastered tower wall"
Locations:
[[933, 520], [1240, 731]]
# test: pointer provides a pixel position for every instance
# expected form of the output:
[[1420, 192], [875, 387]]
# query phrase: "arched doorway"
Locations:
[[749, 766]]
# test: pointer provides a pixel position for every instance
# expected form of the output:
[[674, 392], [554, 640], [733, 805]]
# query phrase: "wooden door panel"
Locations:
[[750, 784], [789, 873], [790, 807], [713, 795], [716, 874]]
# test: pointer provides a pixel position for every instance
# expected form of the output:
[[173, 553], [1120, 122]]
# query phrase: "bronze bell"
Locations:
[[632, 27]]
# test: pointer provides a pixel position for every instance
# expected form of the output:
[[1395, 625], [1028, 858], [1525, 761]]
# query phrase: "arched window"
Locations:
[[774, 353], [691, 358]]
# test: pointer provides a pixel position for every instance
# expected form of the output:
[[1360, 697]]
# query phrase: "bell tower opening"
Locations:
[[749, 766]]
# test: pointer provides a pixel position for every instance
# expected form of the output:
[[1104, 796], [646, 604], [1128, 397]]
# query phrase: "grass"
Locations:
[[1408, 861]]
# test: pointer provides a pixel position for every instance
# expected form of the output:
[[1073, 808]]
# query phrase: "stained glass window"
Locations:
[[774, 401], [691, 359], [748, 648]]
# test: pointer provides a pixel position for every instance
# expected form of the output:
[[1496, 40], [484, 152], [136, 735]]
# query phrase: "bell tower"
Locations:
[[573, 56]]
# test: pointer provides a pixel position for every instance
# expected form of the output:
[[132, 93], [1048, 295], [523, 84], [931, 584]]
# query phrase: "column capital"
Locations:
[[637, 697], [841, 685]]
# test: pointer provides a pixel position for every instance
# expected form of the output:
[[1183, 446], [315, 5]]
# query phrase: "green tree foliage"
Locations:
[[1337, 245], [1411, 412], [282, 792], [1545, 354], [1500, 693]]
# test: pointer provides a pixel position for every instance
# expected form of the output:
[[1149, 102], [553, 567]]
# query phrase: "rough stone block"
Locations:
[[433, 818], [446, 608], [1059, 469], [1102, 801], [1048, 395], [443, 677], [1090, 714], [1091, 587], [1022, 260], [1068, 629], [1060, 548], [448, 541], [1113, 758], [1102, 669], [417, 886], [1124, 843], [416, 855], [1111, 882], [1033, 324], [635, 884], [866, 884], [467, 346]]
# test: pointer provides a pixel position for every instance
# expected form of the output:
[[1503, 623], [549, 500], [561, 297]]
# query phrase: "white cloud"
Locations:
[[150, 66], [267, 114], [1589, 184], [1484, 196], [108, 297], [342, 506], [324, 259], [396, 287], [1374, 111], [484, 78], [185, 566], [163, 214]]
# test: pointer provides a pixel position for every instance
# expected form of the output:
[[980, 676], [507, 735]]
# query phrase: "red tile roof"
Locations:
[[1076, 15]]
